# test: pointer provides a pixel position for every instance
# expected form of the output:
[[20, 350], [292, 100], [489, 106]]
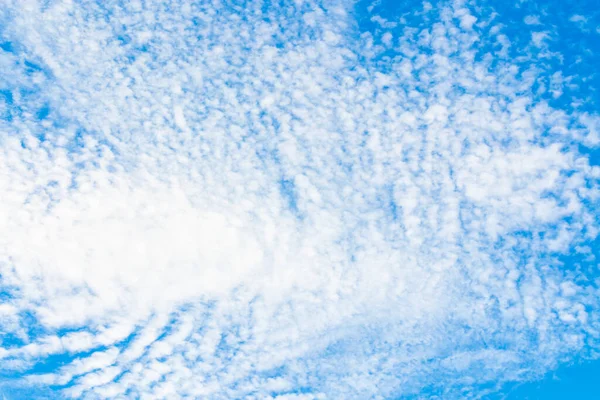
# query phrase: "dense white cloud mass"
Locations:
[[224, 200]]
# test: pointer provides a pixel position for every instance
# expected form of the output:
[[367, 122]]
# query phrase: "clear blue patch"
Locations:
[[43, 112], [287, 188], [578, 381], [7, 96], [7, 47], [31, 67]]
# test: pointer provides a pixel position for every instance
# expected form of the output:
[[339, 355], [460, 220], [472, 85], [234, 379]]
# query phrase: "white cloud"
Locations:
[[532, 20], [578, 18], [538, 38], [230, 204]]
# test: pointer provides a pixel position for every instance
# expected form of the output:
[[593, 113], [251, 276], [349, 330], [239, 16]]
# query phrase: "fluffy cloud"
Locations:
[[263, 201]]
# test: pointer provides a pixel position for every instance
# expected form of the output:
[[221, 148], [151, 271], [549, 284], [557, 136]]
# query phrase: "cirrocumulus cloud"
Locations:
[[291, 200]]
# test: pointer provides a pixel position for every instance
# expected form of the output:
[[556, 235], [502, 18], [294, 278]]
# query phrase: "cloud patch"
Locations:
[[264, 201]]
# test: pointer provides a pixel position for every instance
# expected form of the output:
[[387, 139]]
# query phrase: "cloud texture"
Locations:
[[267, 200]]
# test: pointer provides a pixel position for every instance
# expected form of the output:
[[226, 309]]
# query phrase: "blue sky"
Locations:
[[299, 199], [567, 382]]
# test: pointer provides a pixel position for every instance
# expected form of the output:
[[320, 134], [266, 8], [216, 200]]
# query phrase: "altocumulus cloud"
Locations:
[[228, 199]]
